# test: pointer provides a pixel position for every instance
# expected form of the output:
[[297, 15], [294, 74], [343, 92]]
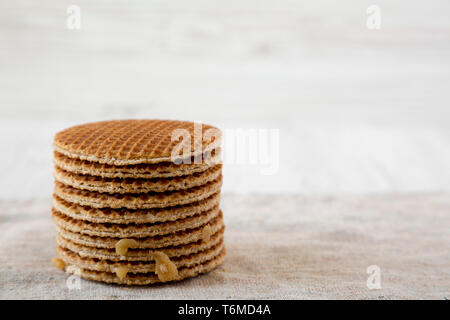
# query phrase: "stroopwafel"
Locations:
[[138, 201]]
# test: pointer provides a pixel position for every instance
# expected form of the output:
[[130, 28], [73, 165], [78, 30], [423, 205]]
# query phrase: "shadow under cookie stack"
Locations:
[[127, 211]]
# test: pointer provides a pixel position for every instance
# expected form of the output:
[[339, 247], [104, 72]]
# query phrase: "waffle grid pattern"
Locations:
[[123, 142]]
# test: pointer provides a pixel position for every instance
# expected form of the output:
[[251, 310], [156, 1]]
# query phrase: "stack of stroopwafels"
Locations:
[[137, 201]]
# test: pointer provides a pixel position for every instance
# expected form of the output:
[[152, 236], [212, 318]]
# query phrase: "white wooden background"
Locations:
[[359, 110]]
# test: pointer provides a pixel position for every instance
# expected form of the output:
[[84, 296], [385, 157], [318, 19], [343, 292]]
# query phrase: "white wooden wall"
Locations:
[[359, 110]]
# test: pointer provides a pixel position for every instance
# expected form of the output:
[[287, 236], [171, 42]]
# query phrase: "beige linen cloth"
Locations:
[[279, 247]]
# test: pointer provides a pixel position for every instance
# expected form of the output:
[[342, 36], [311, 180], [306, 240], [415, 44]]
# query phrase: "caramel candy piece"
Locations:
[[164, 268], [57, 262], [123, 245], [206, 233], [121, 272]]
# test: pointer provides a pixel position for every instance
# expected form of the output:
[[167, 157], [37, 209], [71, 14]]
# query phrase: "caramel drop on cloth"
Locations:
[[57, 262]]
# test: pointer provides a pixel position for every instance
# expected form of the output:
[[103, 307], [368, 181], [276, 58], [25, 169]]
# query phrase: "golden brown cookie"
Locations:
[[161, 241], [139, 254], [72, 258], [144, 170], [140, 230], [137, 201], [136, 185], [124, 142], [124, 215], [147, 278]]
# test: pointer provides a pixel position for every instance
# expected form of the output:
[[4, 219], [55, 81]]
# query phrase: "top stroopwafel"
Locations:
[[125, 142]]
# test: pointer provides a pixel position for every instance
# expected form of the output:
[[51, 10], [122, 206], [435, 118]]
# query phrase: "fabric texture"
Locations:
[[278, 247]]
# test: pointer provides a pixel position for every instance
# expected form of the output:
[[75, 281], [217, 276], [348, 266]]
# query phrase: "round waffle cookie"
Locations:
[[136, 185], [125, 213], [140, 230], [138, 200], [144, 170], [73, 258], [148, 278], [124, 142], [155, 242], [140, 254]]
